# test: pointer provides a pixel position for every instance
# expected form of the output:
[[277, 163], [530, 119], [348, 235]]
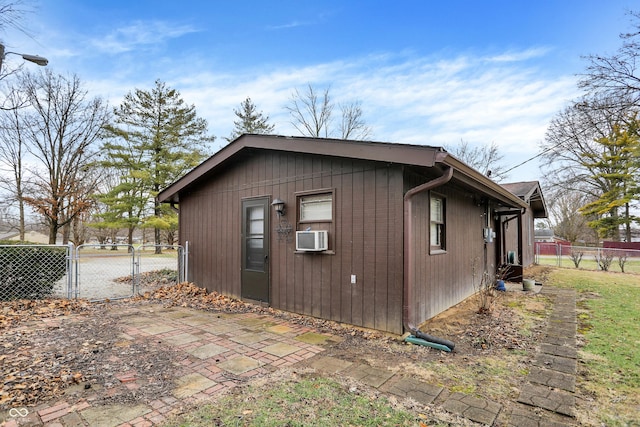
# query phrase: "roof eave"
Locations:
[[418, 155], [474, 179]]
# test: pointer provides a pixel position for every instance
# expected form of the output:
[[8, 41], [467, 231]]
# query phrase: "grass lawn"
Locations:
[[303, 401], [588, 262], [609, 323]]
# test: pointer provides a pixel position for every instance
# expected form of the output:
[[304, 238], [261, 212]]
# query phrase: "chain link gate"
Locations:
[[90, 271], [104, 272]]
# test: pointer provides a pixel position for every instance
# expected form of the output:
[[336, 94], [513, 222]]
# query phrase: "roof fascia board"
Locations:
[[415, 155], [419, 155], [474, 179]]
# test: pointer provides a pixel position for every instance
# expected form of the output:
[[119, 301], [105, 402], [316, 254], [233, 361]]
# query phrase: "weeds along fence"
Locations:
[[588, 258], [94, 272]]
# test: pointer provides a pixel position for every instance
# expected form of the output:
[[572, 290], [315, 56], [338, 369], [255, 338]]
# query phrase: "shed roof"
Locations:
[[531, 193], [405, 154]]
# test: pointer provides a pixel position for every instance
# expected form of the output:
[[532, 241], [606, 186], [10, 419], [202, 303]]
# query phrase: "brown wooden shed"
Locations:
[[372, 234]]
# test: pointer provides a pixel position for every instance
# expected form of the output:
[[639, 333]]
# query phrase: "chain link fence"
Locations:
[[588, 258], [34, 271], [94, 272]]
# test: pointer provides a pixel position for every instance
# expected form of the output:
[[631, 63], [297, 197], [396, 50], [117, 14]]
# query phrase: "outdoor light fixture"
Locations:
[[39, 60], [278, 205]]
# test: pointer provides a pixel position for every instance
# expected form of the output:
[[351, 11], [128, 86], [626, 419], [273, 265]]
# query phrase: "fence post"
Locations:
[[559, 254], [135, 276], [70, 252], [185, 263], [76, 271]]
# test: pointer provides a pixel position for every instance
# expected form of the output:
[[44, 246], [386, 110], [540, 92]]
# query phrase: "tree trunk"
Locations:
[[627, 223], [53, 233], [156, 231], [79, 234], [66, 232], [21, 213]]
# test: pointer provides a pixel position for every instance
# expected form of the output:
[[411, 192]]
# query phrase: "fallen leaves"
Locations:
[[47, 349], [15, 312], [47, 352]]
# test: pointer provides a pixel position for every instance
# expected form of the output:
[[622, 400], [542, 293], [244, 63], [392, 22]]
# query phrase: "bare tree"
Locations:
[[571, 137], [61, 128], [11, 15], [353, 125], [574, 154], [568, 222], [312, 115], [12, 150], [485, 159], [617, 76]]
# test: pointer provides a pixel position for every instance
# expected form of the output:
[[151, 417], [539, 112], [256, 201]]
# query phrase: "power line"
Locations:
[[534, 157]]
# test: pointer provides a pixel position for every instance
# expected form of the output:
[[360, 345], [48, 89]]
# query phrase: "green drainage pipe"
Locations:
[[417, 333], [419, 341]]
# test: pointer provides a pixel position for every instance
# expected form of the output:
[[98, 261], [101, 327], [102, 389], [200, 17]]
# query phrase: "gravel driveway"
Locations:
[[108, 275]]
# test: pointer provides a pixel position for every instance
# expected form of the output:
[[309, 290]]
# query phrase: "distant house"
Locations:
[[372, 234], [544, 235]]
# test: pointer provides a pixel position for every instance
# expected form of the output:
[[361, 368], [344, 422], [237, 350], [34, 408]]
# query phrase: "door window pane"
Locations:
[[254, 250], [255, 220], [255, 254]]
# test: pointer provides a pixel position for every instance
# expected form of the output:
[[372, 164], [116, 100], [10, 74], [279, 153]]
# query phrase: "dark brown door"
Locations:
[[255, 249]]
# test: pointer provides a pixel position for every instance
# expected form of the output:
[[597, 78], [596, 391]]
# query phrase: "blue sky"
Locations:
[[426, 72]]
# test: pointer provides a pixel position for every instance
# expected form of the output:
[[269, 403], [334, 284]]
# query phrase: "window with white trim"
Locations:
[[437, 219]]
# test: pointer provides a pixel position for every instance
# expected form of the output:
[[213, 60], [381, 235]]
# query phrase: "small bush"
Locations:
[[30, 271], [576, 257], [604, 260]]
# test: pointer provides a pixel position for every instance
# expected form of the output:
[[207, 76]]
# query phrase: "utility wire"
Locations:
[[534, 157]]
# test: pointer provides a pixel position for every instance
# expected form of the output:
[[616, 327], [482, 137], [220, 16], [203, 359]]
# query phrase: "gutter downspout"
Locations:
[[408, 240]]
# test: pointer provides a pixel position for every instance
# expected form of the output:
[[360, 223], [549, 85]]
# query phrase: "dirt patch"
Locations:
[[84, 355]]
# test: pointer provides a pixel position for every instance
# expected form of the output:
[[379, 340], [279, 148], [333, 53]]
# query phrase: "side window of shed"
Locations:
[[437, 230]]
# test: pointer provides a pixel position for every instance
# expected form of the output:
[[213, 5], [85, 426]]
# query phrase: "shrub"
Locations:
[[30, 271], [604, 260], [576, 257]]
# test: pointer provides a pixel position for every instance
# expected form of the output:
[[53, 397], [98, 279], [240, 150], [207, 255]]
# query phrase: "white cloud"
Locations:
[[406, 99], [507, 98], [139, 34], [518, 56]]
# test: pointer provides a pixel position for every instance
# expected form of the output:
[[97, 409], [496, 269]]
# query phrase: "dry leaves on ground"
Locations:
[[45, 352]]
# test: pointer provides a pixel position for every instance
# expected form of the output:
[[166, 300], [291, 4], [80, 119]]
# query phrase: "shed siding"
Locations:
[[444, 279], [365, 235]]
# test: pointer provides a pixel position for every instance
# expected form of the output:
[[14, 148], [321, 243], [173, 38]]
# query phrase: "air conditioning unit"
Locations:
[[317, 240]]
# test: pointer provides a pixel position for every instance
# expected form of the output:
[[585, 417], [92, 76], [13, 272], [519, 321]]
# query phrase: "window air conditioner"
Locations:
[[316, 240]]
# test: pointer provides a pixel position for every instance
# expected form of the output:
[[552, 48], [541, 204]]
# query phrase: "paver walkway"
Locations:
[[548, 396], [217, 352], [221, 350]]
